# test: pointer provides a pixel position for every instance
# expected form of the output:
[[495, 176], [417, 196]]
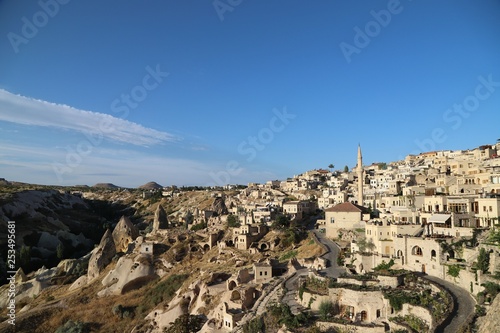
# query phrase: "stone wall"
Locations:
[[417, 311], [325, 326]]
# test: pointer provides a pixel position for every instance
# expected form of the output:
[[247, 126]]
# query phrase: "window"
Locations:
[[265, 273], [491, 208], [332, 220], [416, 251], [484, 208], [260, 273]]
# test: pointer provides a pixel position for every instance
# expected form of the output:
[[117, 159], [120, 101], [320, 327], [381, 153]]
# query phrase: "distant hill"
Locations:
[[105, 185], [151, 186]]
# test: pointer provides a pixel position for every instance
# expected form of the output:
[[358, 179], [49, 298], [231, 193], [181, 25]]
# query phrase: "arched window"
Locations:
[[416, 251], [433, 254], [364, 315]]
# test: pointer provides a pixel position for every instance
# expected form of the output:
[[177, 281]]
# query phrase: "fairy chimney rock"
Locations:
[[102, 255], [124, 234], [219, 206], [161, 220]]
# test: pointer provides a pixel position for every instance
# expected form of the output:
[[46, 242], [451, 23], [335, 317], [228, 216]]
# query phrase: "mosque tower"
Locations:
[[360, 177]]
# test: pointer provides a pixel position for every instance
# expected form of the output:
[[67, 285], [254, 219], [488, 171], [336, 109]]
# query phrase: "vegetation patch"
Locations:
[[412, 321], [163, 291]]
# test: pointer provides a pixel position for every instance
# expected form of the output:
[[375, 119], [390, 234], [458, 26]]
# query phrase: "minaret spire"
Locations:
[[360, 176]]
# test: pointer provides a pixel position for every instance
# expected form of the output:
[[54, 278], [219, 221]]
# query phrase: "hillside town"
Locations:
[[406, 246]]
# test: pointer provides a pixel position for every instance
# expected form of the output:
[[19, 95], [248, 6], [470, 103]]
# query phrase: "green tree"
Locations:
[[331, 166], [25, 256], [346, 169], [483, 260], [365, 245], [232, 221], [255, 325], [454, 270], [281, 222], [185, 324], [60, 251], [325, 310]]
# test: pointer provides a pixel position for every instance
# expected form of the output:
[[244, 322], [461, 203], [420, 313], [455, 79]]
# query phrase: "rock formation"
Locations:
[[128, 274], [124, 234], [491, 321], [219, 206], [101, 256], [160, 221]]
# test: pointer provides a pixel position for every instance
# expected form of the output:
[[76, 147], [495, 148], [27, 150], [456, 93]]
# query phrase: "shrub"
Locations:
[[383, 266], [185, 324], [454, 270], [232, 221], [73, 327], [325, 310], [164, 291], [199, 226], [255, 325]]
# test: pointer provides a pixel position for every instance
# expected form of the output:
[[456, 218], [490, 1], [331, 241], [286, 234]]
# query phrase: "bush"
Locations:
[[325, 310], [199, 226], [73, 327], [480, 311], [454, 270], [383, 266], [255, 325], [185, 324], [232, 221], [164, 291]]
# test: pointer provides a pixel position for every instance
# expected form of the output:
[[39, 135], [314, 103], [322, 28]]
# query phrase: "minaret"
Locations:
[[360, 177]]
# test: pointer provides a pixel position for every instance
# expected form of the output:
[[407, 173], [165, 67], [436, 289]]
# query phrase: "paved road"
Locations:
[[464, 303], [332, 269], [292, 285]]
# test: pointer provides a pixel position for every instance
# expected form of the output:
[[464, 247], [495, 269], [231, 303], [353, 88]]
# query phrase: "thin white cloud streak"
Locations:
[[122, 167], [28, 111]]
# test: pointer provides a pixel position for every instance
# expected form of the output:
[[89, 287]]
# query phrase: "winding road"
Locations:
[[464, 303]]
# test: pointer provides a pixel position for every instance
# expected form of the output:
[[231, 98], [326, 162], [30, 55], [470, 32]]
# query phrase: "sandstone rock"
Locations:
[[128, 274], [219, 206], [101, 256], [20, 277], [79, 283], [160, 221], [490, 322], [124, 234]]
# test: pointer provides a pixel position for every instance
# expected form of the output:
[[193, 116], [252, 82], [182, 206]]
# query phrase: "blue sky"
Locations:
[[212, 92]]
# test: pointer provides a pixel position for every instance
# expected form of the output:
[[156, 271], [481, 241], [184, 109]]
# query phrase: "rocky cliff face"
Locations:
[[46, 219], [124, 234], [219, 206], [491, 322]]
